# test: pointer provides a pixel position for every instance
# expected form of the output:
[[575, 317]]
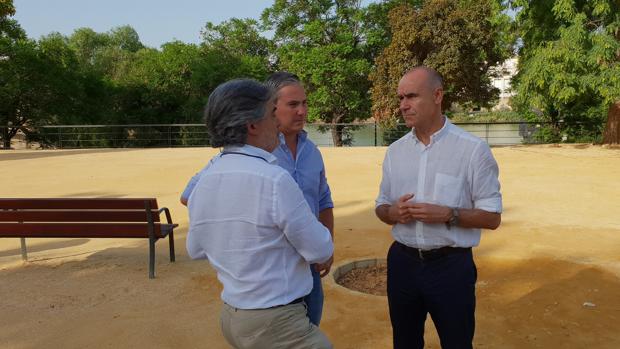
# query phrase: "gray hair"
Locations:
[[231, 106], [281, 79]]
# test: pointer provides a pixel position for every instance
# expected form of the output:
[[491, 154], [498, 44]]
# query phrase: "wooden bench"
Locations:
[[87, 218]]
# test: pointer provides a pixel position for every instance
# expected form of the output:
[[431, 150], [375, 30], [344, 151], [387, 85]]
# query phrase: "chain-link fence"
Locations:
[[189, 135]]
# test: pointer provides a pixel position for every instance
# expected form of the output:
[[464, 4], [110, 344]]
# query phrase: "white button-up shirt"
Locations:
[[456, 169], [249, 218]]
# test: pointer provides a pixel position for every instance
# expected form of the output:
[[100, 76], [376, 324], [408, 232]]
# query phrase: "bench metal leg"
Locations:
[[171, 243], [24, 250], [151, 258]]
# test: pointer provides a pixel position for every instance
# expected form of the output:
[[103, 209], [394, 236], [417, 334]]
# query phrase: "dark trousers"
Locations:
[[444, 287]]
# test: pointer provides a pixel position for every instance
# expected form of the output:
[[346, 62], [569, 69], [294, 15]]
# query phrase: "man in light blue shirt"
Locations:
[[301, 158], [250, 219]]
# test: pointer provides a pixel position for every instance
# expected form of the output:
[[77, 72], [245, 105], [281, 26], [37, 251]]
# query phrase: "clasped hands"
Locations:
[[405, 211]]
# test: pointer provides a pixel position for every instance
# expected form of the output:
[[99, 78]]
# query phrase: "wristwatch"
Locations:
[[454, 220]]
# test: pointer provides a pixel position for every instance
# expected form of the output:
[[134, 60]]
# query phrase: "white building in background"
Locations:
[[505, 72]]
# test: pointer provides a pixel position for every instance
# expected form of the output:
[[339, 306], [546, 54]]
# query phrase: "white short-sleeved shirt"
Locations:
[[456, 169]]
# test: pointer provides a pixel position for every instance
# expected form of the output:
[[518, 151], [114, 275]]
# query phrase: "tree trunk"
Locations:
[[6, 140], [611, 134], [337, 134]]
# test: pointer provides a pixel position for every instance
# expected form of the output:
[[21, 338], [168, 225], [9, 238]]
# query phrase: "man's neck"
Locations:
[[291, 140], [424, 132]]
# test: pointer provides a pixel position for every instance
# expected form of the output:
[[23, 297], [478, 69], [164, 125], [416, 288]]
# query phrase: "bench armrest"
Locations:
[[167, 211]]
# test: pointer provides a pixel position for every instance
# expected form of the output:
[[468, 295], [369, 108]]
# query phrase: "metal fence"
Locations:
[[191, 135]]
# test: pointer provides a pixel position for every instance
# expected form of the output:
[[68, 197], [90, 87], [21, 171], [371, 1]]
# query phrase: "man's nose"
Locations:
[[404, 105], [302, 110]]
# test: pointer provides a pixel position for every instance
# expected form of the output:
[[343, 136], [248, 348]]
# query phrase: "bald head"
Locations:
[[420, 93], [433, 78]]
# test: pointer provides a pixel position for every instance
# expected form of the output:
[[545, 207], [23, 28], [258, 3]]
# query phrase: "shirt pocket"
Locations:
[[448, 190]]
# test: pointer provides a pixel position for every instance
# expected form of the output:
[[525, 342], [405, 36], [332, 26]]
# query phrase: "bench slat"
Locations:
[[83, 230], [76, 203], [77, 216]]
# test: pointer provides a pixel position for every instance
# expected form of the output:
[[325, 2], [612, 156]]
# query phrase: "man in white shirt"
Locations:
[[249, 218], [439, 188]]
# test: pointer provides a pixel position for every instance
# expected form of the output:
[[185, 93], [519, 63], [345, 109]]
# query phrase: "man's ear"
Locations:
[[438, 95], [252, 130]]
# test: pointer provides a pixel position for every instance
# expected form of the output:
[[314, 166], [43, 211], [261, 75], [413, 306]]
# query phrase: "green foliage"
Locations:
[[449, 36], [323, 42], [569, 64], [487, 117], [236, 36], [39, 84], [233, 49], [462, 40]]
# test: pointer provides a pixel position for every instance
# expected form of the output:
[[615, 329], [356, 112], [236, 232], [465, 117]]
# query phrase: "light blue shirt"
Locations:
[[251, 221], [307, 169]]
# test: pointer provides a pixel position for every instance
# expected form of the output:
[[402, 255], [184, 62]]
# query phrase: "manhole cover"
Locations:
[[366, 276]]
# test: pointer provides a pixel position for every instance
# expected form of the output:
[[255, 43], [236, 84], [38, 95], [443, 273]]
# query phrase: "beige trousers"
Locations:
[[283, 327]]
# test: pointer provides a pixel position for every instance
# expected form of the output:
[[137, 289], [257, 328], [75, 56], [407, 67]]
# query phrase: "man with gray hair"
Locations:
[[297, 154], [249, 218]]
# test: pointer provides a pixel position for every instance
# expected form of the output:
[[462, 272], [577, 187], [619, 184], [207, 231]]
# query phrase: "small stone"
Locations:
[[588, 305]]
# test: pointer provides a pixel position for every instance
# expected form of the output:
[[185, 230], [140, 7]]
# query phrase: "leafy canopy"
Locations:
[[462, 40]]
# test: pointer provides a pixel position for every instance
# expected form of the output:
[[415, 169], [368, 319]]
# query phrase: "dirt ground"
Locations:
[[558, 247]]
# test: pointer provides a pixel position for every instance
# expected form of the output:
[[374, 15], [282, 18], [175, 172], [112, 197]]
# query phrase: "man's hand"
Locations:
[[400, 211], [324, 268], [429, 213]]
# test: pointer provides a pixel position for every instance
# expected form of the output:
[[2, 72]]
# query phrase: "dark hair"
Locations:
[[281, 79], [231, 106]]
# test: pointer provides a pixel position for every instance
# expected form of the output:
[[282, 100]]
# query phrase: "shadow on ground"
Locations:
[[29, 155]]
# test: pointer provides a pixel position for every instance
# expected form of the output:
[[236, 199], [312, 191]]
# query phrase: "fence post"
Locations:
[[375, 133], [60, 138], [169, 137], [486, 132]]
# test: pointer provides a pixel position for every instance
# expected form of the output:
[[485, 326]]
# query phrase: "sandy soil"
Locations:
[[558, 247]]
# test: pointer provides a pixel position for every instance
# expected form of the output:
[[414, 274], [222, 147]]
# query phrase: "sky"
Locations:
[[156, 21]]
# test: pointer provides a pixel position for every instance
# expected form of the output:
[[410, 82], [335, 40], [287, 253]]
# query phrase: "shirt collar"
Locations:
[[437, 135], [301, 137], [252, 150]]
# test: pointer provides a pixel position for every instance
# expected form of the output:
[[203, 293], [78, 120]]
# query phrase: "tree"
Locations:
[[241, 47], [376, 25], [39, 85], [460, 39], [322, 41], [237, 36], [569, 65], [36, 80]]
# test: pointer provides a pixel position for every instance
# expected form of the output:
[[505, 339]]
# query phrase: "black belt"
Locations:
[[294, 301], [298, 300], [429, 255]]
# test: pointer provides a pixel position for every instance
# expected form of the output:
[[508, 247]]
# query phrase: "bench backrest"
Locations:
[[79, 217]]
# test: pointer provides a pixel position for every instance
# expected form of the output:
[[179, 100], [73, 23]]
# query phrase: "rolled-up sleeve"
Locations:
[[485, 189], [293, 215], [189, 188], [325, 194]]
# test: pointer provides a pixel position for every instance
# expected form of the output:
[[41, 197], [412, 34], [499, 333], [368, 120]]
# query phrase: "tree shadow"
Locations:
[[8, 156]]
